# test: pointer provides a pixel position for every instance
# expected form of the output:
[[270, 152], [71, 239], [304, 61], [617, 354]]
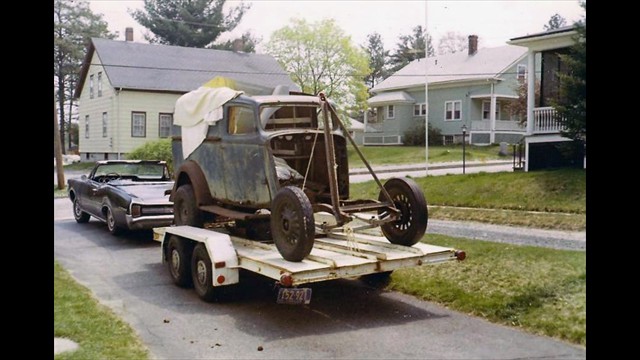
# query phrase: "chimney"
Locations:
[[473, 44], [238, 45], [128, 34]]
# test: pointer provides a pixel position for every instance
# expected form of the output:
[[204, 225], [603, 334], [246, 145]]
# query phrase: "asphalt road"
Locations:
[[346, 319]]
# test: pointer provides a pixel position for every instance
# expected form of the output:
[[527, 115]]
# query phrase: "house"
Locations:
[[544, 146], [471, 88], [127, 90]]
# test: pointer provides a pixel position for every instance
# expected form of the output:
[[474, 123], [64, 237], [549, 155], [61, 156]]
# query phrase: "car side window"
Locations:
[[241, 120]]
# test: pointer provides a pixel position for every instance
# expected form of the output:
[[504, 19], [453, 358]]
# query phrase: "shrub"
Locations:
[[154, 150], [415, 136]]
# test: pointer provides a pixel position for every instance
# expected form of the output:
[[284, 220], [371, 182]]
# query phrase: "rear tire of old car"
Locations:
[[409, 199], [112, 225], [80, 216], [185, 207], [179, 252], [292, 225], [202, 273]]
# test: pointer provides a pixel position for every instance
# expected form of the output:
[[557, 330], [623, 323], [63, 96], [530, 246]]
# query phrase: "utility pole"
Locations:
[[56, 146]]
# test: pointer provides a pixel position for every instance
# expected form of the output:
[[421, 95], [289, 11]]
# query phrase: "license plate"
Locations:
[[296, 296]]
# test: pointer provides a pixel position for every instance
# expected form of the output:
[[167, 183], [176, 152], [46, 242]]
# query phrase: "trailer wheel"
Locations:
[[202, 274], [179, 260], [80, 216], [185, 207], [409, 199], [292, 225]]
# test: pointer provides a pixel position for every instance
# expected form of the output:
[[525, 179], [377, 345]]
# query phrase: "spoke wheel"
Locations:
[[409, 199], [292, 225], [185, 207]]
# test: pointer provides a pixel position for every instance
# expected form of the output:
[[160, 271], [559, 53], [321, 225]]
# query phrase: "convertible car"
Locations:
[[126, 194]]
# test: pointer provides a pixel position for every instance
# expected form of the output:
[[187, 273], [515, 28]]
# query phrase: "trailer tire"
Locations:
[[292, 224], [178, 257], [80, 216], [409, 199], [185, 207], [202, 273]]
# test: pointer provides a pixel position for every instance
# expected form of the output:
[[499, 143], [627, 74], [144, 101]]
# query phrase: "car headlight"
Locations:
[[136, 210]]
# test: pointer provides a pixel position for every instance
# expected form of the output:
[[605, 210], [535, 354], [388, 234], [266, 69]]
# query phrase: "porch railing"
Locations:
[[381, 139], [545, 120], [501, 125]]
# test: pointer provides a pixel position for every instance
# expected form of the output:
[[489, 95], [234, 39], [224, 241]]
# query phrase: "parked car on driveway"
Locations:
[[126, 194]]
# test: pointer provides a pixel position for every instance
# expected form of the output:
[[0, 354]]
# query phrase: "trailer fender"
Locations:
[[224, 259]]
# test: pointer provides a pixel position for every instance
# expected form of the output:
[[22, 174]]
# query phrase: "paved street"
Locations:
[[345, 319]]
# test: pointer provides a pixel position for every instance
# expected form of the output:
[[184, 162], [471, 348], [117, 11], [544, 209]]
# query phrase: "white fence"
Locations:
[[545, 120]]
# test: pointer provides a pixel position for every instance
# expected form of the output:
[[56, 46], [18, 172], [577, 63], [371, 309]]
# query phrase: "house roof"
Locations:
[[487, 63], [547, 40], [392, 97], [546, 33], [154, 67]]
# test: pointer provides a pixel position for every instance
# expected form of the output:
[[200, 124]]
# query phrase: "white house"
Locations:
[[127, 90]]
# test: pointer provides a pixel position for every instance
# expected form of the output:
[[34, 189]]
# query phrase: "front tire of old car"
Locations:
[[80, 216]]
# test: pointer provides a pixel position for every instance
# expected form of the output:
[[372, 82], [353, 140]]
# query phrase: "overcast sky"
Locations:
[[495, 22]]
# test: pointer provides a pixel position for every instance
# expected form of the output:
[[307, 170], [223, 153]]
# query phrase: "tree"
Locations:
[[247, 43], [571, 105], [411, 47], [320, 57], [377, 59], [190, 23], [556, 21], [74, 26], [518, 107], [452, 42]]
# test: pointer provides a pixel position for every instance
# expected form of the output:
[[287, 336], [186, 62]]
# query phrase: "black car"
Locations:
[[126, 194]]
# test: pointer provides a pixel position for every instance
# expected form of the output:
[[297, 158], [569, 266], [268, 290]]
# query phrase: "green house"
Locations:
[[473, 88]]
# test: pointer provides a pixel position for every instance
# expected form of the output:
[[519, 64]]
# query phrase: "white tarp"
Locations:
[[198, 109]]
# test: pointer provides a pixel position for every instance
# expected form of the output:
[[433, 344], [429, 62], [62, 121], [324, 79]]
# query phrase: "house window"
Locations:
[[522, 73], [164, 125], [104, 124], [486, 110], [391, 110], [138, 124], [90, 86], [99, 84], [419, 109], [86, 126], [452, 110]]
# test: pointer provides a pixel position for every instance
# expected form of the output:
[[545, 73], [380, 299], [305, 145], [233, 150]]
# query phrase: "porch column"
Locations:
[[492, 116], [531, 91], [366, 110]]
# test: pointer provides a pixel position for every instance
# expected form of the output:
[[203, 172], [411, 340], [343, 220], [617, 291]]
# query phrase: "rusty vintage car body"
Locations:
[[126, 194], [269, 164]]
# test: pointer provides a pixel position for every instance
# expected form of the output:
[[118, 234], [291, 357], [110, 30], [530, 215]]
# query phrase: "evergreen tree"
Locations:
[[377, 59], [411, 47]]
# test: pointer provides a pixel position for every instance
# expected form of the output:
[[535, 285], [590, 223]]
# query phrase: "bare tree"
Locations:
[[452, 42]]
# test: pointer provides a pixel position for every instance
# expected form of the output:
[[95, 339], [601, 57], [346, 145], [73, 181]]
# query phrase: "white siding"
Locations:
[[119, 104]]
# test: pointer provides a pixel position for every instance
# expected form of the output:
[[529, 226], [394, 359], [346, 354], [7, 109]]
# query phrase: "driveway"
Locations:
[[345, 319]]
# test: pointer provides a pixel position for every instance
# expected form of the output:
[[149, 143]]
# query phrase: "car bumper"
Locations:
[[148, 222]]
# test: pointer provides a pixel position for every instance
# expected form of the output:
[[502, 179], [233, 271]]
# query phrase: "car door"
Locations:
[[94, 191], [244, 158]]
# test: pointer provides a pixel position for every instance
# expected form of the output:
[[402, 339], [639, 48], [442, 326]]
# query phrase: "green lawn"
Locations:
[[386, 155], [99, 333], [80, 166], [560, 196], [540, 290]]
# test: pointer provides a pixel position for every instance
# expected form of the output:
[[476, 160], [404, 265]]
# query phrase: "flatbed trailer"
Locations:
[[334, 256]]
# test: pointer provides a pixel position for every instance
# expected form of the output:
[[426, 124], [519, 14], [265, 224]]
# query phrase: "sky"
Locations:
[[495, 22]]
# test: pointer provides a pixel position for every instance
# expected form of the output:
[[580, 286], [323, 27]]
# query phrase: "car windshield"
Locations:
[[290, 116], [143, 171]]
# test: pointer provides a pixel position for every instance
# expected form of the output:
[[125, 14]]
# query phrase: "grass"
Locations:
[[80, 166], [57, 193], [537, 289], [387, 155], [99, 333], [562, 190]]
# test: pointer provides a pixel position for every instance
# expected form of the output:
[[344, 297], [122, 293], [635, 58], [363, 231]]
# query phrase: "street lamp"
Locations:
[[464, 136]]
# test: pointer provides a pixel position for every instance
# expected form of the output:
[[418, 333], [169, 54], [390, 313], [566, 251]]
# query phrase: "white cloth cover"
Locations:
[[198, 109]]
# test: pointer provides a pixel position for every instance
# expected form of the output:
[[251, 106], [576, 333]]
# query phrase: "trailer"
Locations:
[[210, 259]]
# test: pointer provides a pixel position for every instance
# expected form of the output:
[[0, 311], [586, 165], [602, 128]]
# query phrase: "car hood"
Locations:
[[150, 191]]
